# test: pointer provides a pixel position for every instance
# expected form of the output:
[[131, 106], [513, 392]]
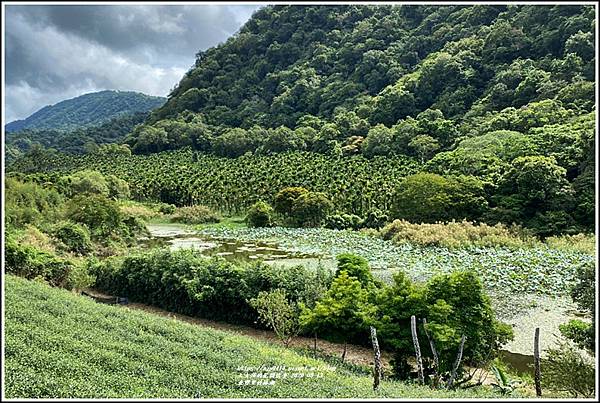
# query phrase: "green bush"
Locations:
[[132, 227], [343, 221], [580, 332], [375, 219], [138, 210], [260, 214], [310, 209], [283, 203], [166, 208], [302, 208], [356, 266], [75, 237], [29, 202], [117, 188], [195, 215], [343, 313], [429, 198], [100, 214], [454, 305], [107, 223], [32, 263], [88, 182]]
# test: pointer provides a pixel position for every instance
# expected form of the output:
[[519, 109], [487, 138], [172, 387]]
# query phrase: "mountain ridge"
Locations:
[[87, 110]]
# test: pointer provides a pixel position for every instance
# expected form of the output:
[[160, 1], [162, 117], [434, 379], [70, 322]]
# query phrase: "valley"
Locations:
[[414, 179]]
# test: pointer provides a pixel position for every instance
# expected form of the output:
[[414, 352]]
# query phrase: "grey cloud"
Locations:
[[56, 52]]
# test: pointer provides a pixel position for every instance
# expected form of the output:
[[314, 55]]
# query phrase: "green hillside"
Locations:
[[59, 345], [77, 141], [87, 110], [358, 66]]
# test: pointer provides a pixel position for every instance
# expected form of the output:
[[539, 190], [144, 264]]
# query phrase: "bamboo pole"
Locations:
[[436, 359]]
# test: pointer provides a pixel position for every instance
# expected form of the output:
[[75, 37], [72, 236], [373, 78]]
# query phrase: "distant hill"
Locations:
[[77, 141], [87, 110]]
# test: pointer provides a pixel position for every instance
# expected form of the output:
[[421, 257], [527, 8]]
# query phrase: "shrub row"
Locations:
[[32, 263], [374, 219], [185, 281], [339, 307]]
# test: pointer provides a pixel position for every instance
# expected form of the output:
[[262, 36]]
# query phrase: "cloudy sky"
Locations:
[[56, 52]]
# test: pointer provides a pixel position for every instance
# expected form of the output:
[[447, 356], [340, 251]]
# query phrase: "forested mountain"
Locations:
[[78, 141], [87, 110], [335, 72]]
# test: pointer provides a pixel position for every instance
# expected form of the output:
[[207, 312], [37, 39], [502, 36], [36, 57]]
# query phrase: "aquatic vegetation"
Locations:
[[532, 270]]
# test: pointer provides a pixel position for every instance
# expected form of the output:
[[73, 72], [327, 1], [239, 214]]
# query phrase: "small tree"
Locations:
[[284, 199], [101, 215], [310, 209], [342, 313], [89, 182], [278, 313], [260, 215], [356, 266], [75, 237], [117, 188]]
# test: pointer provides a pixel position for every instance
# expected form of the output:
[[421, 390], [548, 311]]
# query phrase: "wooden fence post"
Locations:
[[536, 363], [377, 364], [413, 329], [457, 362], [436, 359]]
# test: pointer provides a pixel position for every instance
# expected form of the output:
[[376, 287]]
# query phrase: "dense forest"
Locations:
[[87, 110]]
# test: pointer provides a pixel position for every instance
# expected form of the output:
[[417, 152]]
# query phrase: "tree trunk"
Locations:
[[536, 362], [344, 352], [457, 362], [436, 360], [413, 328], [377, 363]]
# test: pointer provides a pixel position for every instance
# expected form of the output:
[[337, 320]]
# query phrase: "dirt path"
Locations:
[[355, 354]]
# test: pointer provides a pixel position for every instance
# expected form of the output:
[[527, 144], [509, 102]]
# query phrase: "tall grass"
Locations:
[[460, 234], [456, 234]]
